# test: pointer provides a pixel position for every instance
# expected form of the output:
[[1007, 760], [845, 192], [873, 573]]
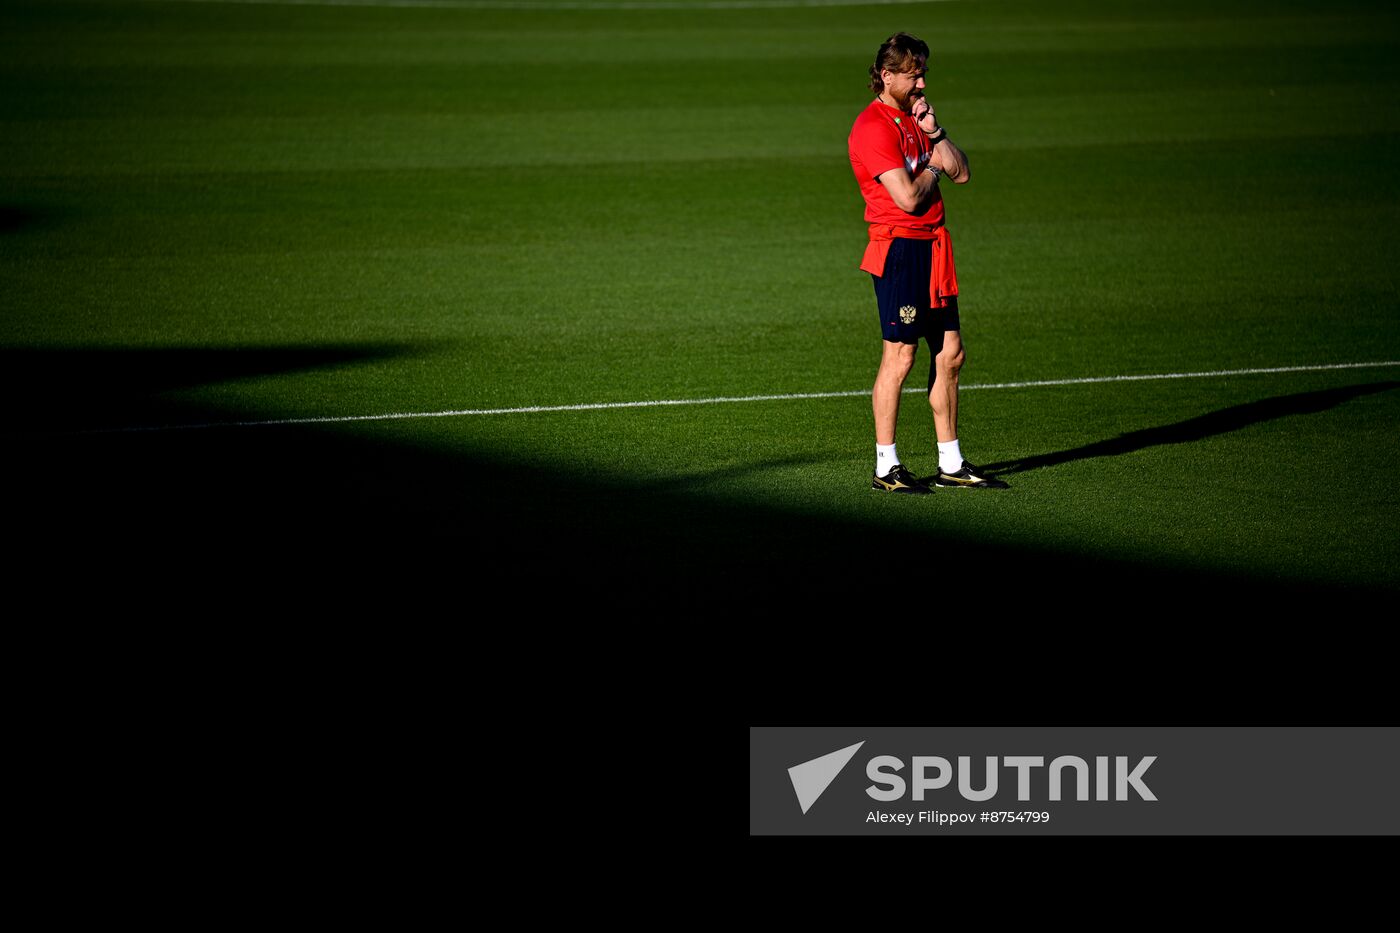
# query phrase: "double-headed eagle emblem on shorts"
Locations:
[[906, 314]]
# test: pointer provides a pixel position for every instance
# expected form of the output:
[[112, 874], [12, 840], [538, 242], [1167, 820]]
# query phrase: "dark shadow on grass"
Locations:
[[20, 218], [1194, 429], [54, 389], [318, 534]]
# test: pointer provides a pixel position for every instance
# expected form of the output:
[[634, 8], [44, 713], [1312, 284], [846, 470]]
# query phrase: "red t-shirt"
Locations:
[[885, 138]]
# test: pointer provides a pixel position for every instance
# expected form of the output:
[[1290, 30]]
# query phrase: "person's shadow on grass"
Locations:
[[1200, 427]]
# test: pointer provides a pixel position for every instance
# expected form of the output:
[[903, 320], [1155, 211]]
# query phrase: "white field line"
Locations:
[[721, 400], [549, 5]]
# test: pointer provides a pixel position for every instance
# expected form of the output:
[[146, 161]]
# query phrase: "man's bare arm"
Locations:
[[911, 195], [951, 161]]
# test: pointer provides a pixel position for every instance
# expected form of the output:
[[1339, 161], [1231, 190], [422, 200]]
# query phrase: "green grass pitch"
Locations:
[[239, 212]]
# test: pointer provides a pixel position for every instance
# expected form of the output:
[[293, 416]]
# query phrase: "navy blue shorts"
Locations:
[[902, 296]]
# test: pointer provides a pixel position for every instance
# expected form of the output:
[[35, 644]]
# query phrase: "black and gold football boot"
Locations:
[[968, 477], [899, 480]]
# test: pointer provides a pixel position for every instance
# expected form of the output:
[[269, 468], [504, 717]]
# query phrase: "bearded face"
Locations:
[[904, 88]]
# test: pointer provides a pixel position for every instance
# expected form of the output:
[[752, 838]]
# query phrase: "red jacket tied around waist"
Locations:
[[943, 283]]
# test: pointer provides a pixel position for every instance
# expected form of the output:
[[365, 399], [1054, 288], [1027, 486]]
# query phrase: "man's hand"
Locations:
[[924, 116]]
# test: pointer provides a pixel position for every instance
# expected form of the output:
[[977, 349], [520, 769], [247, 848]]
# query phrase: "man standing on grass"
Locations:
[[898, 152]]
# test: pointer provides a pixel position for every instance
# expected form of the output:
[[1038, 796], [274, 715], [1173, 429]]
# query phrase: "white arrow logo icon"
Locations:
[[811, 778]]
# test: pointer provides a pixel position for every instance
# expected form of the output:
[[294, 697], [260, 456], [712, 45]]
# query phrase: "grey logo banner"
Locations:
[[807, 780]]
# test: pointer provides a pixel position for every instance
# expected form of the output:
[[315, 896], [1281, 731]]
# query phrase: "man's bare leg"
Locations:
[[943, 393], [890, 475], [953, 469], [895, 364]]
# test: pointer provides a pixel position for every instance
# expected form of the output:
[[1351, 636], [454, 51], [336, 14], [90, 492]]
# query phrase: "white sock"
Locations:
[[885, 459], [950, 458]]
